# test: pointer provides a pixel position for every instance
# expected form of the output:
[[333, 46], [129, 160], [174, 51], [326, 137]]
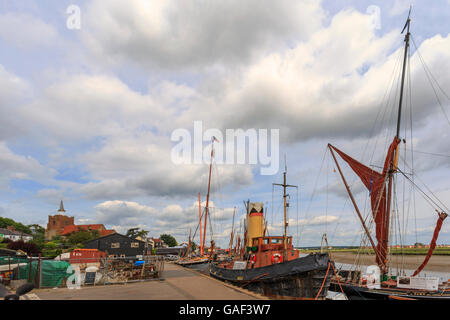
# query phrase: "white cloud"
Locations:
[[18, 167], [25, 31], [119, 212], [13, 91], [399, 7], [170, 34]]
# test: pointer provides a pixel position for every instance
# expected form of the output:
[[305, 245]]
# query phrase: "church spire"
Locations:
[[61, 207]]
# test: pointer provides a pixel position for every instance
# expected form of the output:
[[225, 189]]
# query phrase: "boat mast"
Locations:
[[394, 161], [209, 188], [285, 205], [407, 36], [200, 222], [232, 232]]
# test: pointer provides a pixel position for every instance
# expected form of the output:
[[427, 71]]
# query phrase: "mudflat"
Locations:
[[410, 262]]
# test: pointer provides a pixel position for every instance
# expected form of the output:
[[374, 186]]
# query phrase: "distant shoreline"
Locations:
[[436, 263]]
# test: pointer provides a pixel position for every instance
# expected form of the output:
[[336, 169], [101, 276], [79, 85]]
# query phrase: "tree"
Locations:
[[38, 233], [80, 237], [6, 222], [36, 229], [136, 232], [169, 240], [28, 247]]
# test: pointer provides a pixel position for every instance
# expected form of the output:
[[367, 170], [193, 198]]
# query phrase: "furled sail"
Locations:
[[375, 183], [442, 216]]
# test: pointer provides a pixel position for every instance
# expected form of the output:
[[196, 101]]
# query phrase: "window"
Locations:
[[135, 244], [115, 245]]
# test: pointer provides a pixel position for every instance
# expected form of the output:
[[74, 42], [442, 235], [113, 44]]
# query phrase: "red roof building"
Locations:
[[68, 230]]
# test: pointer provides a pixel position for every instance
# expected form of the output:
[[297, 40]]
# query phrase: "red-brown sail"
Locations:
[[375, 183], [442, 216]]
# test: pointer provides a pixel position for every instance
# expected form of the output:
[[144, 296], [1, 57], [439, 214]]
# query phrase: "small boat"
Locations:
[[270, 265]]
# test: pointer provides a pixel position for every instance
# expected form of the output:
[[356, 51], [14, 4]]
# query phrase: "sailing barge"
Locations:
[[269, 265], [201, 262], [378, 283]]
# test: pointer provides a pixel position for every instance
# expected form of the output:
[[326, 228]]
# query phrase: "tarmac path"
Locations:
[[179, 284]]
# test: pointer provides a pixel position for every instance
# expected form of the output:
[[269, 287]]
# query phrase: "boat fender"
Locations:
[[277, 258]]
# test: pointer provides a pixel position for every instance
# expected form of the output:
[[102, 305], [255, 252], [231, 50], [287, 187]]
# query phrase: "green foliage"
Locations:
[[28, 247], [6, 222], [57, 238], [169, 240], [38, 233], [36, 229], [80, 237], [51, 253], [51, 245], [136, 232]]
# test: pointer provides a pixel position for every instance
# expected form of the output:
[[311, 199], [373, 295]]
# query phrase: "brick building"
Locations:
[[57, 223], [62, 225]]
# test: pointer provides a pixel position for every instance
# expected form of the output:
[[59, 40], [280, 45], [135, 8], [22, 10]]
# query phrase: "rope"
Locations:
[[337, 278], [324, 279]]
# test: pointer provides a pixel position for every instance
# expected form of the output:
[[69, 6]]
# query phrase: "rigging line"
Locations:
[[271, 222], [431, 74], [298, 239], [431, 200], [430, 153], [397, 215], [314, 190], [389, 89], [412, 145], [428, 189], [431, 83], [338, 223], [326, 207]]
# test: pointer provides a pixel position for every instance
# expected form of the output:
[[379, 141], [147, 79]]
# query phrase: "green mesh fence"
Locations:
[[52, 273]]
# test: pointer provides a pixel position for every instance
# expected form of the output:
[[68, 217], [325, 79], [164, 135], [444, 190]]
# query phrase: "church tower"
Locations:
[[56, 223]]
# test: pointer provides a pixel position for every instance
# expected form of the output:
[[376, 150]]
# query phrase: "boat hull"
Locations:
[[299, 278], [199, 265], [355, 292]]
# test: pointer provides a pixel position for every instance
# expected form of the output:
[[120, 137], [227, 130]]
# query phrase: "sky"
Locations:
[[91, 93]]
